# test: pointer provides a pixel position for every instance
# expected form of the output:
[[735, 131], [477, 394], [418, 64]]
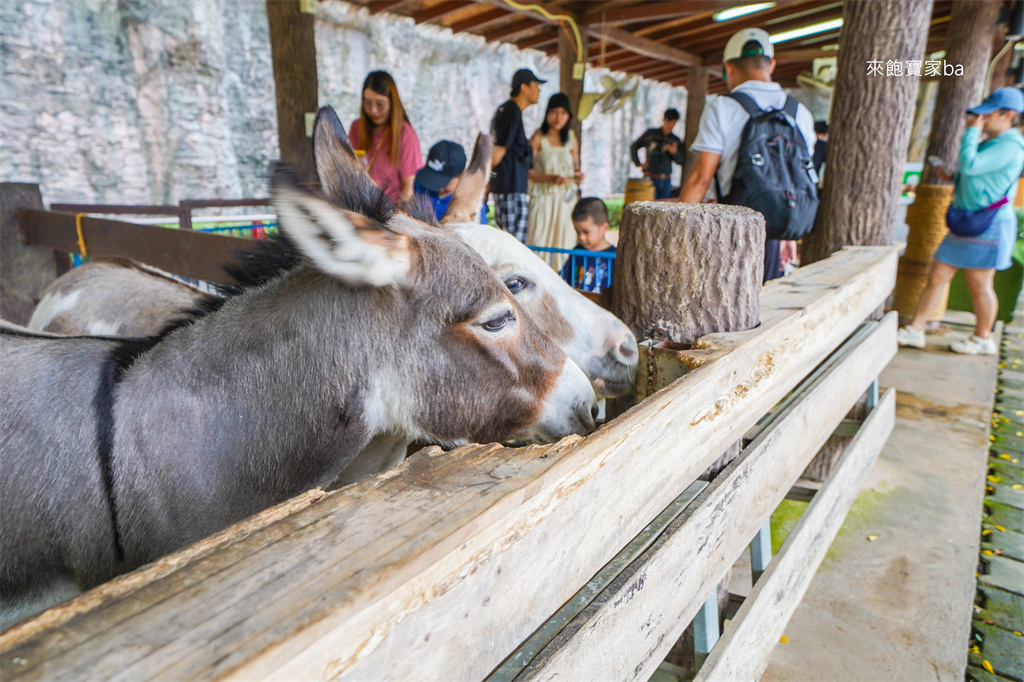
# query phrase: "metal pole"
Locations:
[[705, 628], [761, 551]]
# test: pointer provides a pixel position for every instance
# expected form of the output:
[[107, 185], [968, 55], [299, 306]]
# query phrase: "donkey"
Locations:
[[119, 298], [117, 451], [113, 297]]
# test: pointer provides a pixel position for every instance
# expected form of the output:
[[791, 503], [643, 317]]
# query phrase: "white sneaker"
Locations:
[[974, 345], [908, 336]]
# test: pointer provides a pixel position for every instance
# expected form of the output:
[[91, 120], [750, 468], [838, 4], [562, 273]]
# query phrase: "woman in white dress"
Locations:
[[554, 178]]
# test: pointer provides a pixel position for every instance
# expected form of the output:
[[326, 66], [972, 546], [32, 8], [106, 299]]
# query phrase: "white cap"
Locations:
[[734, 48]]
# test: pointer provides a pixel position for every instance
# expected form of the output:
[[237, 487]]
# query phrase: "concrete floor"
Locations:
[[899, 607]]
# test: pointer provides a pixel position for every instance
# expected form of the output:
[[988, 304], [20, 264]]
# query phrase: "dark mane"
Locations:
[[419, 208], [268, 259]]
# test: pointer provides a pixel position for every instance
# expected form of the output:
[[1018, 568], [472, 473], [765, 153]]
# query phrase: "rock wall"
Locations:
[[142, 101]]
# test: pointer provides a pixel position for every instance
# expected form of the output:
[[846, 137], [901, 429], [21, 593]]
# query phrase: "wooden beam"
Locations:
[[651, 11], [747, 643], [439, 11], [293, 52], [715, 43], [510, 32], [650, 48], [478, 21], [186, 253], [696, 96], [567, 83], [393, 6], [669, 582], [658, 69], [722, 31], [628, 61], [534, 42], [414, 550]]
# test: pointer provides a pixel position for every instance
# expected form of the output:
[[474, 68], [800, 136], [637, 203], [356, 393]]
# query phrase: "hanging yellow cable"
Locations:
[[562, 19]]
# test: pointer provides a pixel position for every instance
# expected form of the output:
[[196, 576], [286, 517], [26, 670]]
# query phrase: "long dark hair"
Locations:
[[382, 83], [559, 99]]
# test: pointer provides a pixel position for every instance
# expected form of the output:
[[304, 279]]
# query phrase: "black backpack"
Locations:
[[773, 171]]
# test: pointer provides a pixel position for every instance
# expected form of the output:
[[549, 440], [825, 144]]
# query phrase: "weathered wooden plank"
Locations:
[[655, 599], [442, 566], [183, 252], [743, 651]]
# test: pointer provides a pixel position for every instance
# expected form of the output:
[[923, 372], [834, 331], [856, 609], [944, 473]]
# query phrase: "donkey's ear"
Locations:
[[464, 206], [341, 243], [332, 154]]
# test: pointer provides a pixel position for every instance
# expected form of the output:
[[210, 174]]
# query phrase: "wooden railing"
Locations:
[[443, 567]]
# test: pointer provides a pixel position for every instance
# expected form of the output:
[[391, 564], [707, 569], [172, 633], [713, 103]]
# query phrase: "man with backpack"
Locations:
[[756, 145]]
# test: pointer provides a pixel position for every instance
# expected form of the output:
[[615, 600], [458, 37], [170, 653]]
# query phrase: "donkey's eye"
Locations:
[[498, 323], [516, 284]]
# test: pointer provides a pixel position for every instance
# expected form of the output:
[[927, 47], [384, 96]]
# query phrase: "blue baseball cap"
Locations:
[[1003, 98]]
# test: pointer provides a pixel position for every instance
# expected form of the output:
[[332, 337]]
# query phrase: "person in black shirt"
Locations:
[[662, 149], [513, 156], [821, 146]]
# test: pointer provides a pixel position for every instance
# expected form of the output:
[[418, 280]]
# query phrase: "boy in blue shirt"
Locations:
[[590, 273], [438, 179]]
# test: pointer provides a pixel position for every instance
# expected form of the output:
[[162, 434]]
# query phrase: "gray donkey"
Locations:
[[117, 451]]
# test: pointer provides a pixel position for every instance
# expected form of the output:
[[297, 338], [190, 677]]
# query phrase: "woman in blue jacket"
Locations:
[[988, 172]]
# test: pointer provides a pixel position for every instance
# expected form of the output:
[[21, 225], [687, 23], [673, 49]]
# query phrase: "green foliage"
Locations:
[[614, 211]]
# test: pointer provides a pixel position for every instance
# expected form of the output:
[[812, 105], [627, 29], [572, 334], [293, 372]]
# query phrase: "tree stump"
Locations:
[[686, 270]]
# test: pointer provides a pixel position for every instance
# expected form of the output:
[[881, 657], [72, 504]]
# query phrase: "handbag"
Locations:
[[966, 223]]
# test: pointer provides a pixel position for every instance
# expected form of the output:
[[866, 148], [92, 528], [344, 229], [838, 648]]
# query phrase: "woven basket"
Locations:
[[926, 218]]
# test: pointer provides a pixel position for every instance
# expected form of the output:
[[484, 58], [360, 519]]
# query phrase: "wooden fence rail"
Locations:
[[441, 567], [187, 253]]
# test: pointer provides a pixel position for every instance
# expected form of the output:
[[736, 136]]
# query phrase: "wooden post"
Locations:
[[863, 169], [684, 271], [25, 271], [696, 97], [1000, 72], [293, 52], [572, 87]]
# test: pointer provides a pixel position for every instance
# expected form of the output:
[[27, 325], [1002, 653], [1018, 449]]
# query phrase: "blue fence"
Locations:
[[584, 270]]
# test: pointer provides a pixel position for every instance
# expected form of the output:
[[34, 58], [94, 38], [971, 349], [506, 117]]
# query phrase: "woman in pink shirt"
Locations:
[[383, 133]]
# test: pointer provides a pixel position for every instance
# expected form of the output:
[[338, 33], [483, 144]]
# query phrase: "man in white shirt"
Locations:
[[749, 62]]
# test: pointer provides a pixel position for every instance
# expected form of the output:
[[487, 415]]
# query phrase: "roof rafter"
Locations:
[[439, 11]]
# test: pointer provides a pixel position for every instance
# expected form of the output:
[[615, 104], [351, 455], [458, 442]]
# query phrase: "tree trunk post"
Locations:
[[870, 127], [1001, 69], [686, 270], [25, 271], [293, 52], [967, 45], [683, 271], [696, 97], [567, 82]]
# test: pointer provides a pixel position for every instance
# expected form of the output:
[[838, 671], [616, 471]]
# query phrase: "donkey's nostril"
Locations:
[[594, 411], [627, 350]]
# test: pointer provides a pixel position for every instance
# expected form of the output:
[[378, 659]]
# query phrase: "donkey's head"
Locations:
[[596, 340], [465, 362]]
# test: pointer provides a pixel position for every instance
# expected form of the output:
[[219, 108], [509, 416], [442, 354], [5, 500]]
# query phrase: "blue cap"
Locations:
[[1003, 98]]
